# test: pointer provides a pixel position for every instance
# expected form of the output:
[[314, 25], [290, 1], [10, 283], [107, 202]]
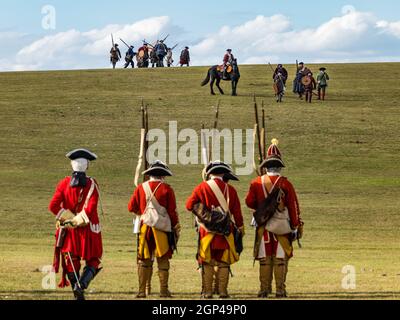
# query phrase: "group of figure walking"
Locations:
[[158, 56], [216, 207], [304, 83]]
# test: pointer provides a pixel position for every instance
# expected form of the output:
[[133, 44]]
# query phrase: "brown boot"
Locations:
[[280, 272], [266, 274], [223, 275], [208, 277], [145, 269], [163, 273], [216, 281], [148, 283]]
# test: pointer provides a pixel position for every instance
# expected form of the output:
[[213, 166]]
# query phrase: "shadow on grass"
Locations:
[[37, 294]]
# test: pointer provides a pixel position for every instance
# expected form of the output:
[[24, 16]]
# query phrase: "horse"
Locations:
[[215, 76]]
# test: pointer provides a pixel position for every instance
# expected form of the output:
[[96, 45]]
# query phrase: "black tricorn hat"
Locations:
[[272, 162], [81, 153], [230, 176], [186, 47], [228, 50], [218, 167], [158, 169], [322, 69]]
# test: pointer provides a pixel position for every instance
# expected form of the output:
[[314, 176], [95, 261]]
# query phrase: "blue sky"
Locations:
[[193, 23]]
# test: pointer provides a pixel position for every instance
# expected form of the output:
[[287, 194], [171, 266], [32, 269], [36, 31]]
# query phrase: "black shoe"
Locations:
[[89, 273], [79, 292]]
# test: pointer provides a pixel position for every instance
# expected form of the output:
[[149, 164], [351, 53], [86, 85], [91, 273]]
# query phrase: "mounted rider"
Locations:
[[227, 62]]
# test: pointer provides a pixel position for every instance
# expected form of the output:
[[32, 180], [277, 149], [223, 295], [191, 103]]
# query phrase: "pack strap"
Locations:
[[150, 195], [267, 184], [224, 203]]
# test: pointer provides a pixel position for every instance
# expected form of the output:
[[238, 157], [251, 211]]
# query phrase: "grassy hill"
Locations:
[[342, 156]]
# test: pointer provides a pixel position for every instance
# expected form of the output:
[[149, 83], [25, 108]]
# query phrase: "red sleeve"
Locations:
[[193, 199], [134, 203], [58, 198], [171, 207], [91, 209], [251, 199], [292, 204], [234, 207]]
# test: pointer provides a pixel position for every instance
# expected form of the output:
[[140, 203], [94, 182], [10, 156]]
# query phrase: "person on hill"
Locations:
[[78, 235], [273, 249], [216, 239], [130, 54], [322, 81], [185, 57], [115, 55], [154, 201]]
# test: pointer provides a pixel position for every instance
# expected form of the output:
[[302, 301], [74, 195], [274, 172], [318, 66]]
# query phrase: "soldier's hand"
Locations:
[[177, 230], [300, 231], [58, 224], [241, 230]]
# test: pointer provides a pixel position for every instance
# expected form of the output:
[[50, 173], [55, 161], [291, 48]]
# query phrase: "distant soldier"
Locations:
[[227, 61], [143, 56], [185, 57], [161, 51], [78, 228], [170, 60], [280, 73], [218, 203], [130, 54], [298, 86], [272, 250], [322, 81], [115, 55], [154, 201], [309, 86]]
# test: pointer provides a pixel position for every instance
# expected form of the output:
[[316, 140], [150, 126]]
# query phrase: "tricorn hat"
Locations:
[[274, 157], [230, 176], [218, 167], [322, 69], [81, 154], [186, 47], [229, 50], [158, 169]]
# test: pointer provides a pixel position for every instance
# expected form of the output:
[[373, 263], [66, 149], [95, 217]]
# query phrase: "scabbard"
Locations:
[[61, 238]]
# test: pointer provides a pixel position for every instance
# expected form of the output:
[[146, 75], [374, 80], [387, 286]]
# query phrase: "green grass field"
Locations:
[[341, 155]]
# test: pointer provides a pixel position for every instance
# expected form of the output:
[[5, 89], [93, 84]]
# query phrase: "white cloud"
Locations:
[[351, 36]]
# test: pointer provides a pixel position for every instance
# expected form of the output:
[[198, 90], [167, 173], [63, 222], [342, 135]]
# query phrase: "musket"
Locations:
[[125, 43], [112, 40], [258, 129], [204, 151], [215, 127], [263, 133], [166, 38], [174, 46]]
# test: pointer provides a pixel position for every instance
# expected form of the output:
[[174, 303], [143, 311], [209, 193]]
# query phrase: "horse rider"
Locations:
[[154, 201], [227, 61], [129, 57], [280, 73], [78, 228], [273, 250], [185, 57], [217, 249], [115, 55], [322, 81], [170, 60], [161, 51]]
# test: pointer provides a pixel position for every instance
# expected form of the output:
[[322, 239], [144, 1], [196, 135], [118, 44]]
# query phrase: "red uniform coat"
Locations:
[[165, 196], [203, 194], [84, 242], [227, 58], [256, 196]]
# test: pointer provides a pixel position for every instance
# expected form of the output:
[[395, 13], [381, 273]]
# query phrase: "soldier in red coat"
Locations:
[[215, 249], [78, 232], [154, 201], [272, 250]]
